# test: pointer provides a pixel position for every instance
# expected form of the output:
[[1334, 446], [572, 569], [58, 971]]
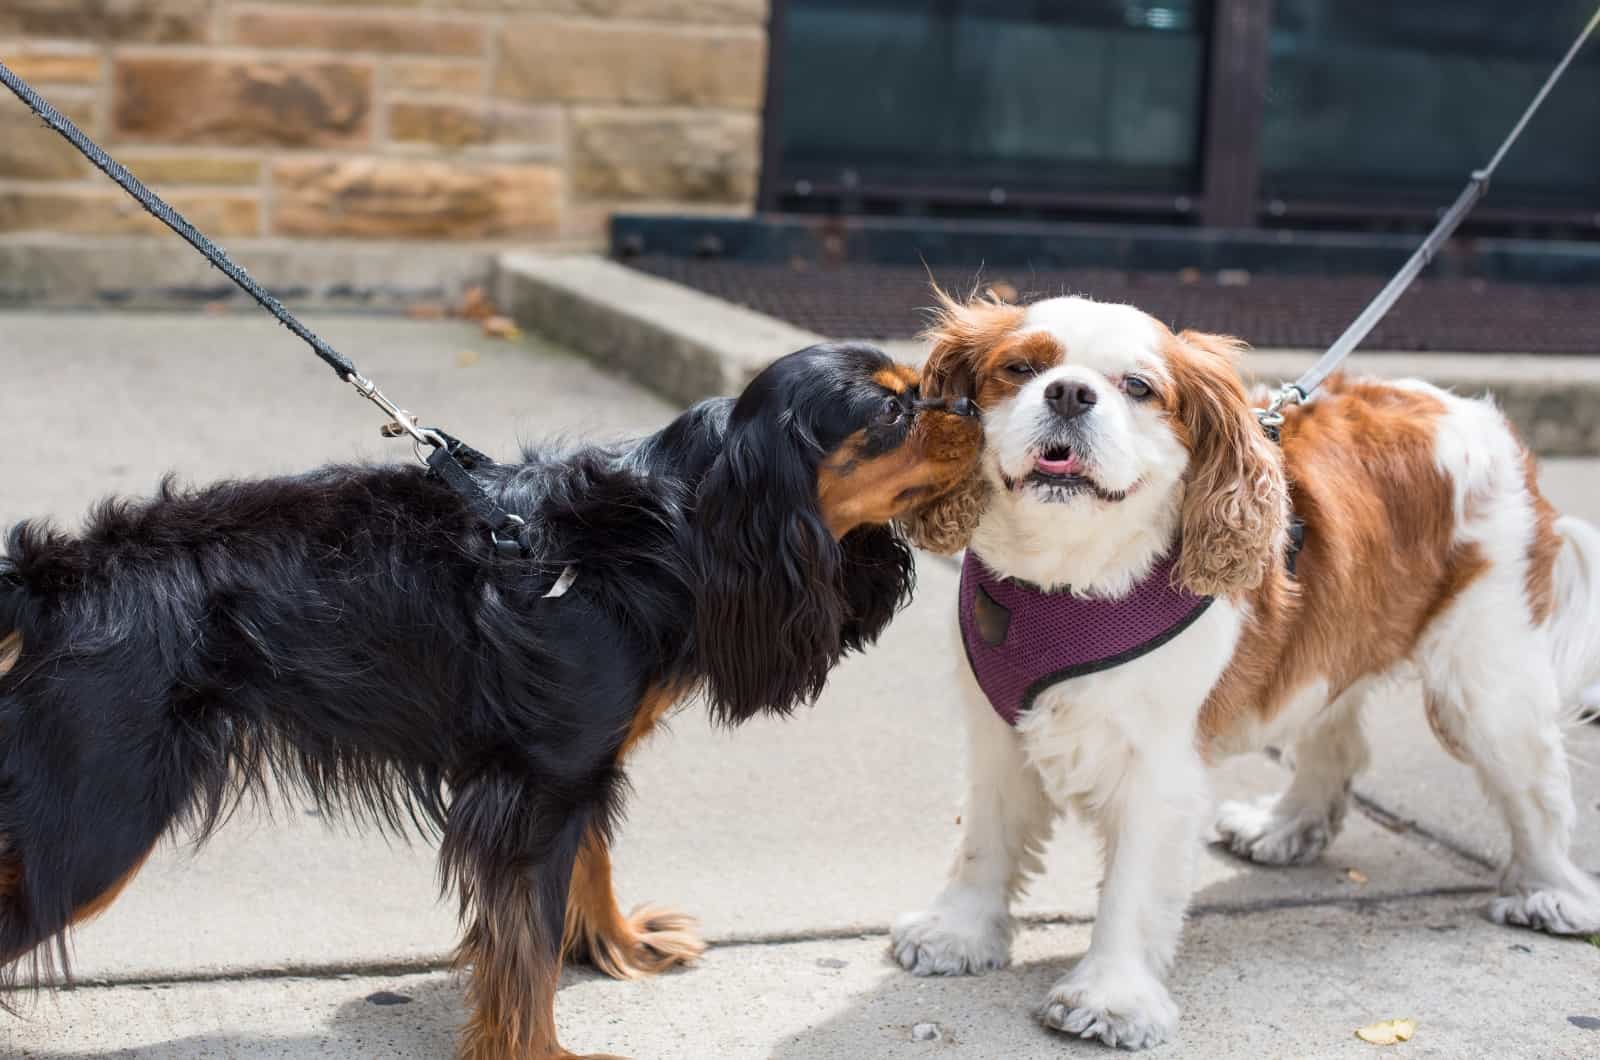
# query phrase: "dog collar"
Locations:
[[1021, 639]]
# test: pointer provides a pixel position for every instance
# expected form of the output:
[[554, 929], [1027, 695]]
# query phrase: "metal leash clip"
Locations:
[[402, 423], [1271, 417]]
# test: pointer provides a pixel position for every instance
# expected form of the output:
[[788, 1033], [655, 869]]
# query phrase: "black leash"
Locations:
[[450, 459]]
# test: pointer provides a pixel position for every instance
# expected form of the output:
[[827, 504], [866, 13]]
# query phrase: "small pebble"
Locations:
[[387, 997], [831, 962], [1520, 948], [926, 1032], [1588, 1023]]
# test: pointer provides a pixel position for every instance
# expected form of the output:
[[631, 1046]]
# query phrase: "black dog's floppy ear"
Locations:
[[878, 575], [769, 614]]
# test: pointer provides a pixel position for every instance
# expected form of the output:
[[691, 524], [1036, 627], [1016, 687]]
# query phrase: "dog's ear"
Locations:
[[769, 612], [945, 524], [959, 335], [1236, 502], [878, 575]]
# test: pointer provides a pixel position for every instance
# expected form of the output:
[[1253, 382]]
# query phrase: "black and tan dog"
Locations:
[[351, 635]]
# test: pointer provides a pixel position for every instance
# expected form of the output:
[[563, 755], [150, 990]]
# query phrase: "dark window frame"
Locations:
[[1232, 110]]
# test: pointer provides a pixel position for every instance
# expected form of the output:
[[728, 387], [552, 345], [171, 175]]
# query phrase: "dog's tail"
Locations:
[[1574, 622]]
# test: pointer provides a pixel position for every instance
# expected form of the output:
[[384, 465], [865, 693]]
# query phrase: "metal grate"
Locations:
[[885, 302]]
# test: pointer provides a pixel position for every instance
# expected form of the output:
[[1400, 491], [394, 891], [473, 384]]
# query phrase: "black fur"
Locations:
[[350, 636]]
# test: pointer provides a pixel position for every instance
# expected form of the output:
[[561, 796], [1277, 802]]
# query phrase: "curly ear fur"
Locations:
[[945, 525], [959, 334], [1236, 501]]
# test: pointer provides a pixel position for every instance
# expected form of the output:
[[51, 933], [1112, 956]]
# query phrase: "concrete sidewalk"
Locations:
[[796, 843]]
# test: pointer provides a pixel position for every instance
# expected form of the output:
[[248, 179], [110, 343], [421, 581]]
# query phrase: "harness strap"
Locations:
[[450, 463]]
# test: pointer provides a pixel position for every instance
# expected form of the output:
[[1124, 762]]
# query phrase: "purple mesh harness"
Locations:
[[1020, 639]]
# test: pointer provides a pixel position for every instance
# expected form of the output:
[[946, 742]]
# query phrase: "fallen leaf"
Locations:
[[501, 328], [474, 304], [1355, 876], [1388, 1032], [1003, 291], [467, 358]]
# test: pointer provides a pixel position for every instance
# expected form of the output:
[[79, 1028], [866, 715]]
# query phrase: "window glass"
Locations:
[[1404, 99], [1073, 94]]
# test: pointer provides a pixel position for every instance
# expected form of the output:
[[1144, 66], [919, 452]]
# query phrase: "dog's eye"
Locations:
[[892, 411], [1136, 388], [1018, 369]]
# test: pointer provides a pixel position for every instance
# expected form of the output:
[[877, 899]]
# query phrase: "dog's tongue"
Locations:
[[1069, 466]]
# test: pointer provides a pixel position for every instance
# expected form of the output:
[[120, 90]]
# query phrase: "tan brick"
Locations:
[[108, 212], [710, 157], [434, 75], [729, 12], [118, 21], [533, 7], [595, 62], [291, 103], [390, 198], [44, 64], [470, 124], [358, 31], [190, 168], [722, 12], [29, 150]]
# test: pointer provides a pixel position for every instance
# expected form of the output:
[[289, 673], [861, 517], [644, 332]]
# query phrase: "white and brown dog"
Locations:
[[1118, 454]]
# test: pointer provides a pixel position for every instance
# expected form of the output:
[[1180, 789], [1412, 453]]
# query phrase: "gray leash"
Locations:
[[1477, 187]]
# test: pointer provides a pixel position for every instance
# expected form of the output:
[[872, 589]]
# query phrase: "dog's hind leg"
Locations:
[[1493, 699], [648, 940], [78, 819], [510, 856], [1296, 826]]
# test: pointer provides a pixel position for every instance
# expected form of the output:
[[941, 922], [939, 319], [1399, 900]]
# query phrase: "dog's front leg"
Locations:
[[1150, 820], [648, 940], [1005, 820]]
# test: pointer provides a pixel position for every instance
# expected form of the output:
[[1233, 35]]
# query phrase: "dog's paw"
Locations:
[[1255, 831], [666, 938], [647, 941], [1556, 912], [1125, 1011], [942, 942]]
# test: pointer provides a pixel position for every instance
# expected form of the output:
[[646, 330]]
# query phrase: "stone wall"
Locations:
[[507, 120]]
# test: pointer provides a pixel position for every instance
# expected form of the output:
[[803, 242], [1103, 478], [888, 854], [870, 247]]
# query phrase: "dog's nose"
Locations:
[[1070, 400]]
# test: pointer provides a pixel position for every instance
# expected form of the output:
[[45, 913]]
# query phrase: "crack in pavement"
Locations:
[[431, 966]]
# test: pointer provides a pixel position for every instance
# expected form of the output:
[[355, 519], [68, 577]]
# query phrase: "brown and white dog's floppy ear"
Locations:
[[1236, 501], [959, 335]]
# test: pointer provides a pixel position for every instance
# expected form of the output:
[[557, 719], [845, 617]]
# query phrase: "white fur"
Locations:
[[1120, 746]]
